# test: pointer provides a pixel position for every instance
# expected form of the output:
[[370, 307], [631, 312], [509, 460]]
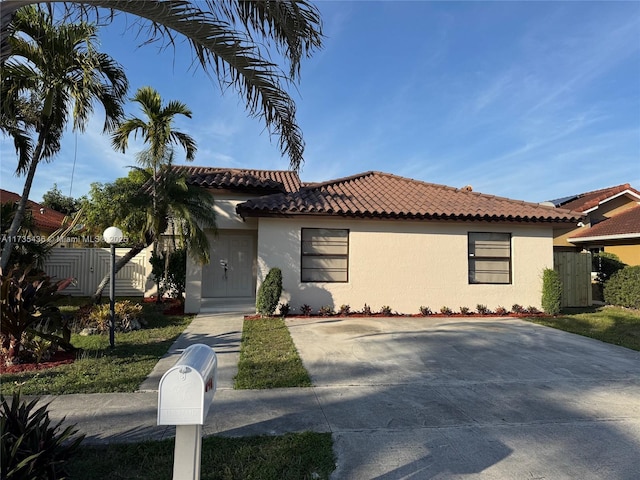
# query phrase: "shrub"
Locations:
[[623, 288], [366, 310], [532, 310], [30, 447], [385, 310], [482, 309], [551, 292], [424, 311], [501, 311], [344, 310], [284, 309], [26, 309], [606, 264], [305, 310], [269, 292], [464, 310], [446, 311], [128, 316], [517, 308], [326, 310]]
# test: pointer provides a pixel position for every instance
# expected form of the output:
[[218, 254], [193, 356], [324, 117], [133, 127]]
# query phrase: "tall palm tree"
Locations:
[[157, 131], [55, 73], [232, 39]]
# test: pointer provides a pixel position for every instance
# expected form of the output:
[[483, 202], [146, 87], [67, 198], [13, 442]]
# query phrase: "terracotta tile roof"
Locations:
[[44, 218], [625, 223], [588, 200], [268, 181], [382, 195]]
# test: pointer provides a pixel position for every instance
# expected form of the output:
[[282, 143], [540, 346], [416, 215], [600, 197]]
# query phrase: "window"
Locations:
[[489, 257], [325, 255]]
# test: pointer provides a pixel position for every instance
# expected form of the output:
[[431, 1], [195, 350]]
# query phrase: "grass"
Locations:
[[296, 456], [268, 357], [99, 369], [615, 325]]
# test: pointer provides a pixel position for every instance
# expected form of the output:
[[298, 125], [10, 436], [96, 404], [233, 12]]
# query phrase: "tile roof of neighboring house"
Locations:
[[269, 181], [588, 200], [382, 195], [626, 224], [44, 218]]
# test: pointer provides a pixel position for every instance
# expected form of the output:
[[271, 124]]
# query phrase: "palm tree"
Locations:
[[232, 39], [186, 206], [54, 74], [157, 131]]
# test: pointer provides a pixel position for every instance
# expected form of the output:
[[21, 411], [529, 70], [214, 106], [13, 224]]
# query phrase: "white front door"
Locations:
[[230, 272]]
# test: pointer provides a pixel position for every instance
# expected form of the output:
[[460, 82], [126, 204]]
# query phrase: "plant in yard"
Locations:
[[326, 311], [344, 310], [501, 311], [551, 291], [606, 264], [284, 309], [482, 309], [446, 311], [26, 306], [532, 310], [385, 310], [269, 292], [623, 288], [424, 311], [128, 317], [515, 308], [465, 310], [366, 310], [30, 446], [305, 310]]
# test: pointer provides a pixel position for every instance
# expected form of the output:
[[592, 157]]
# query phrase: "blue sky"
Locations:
[[527, 100]]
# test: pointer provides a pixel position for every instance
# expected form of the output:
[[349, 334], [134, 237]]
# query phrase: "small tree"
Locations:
[[269, 292], [623, 288], [551, 291]]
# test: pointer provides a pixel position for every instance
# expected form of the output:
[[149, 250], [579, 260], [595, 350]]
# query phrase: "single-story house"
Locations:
[[611, 224], [372, 238]]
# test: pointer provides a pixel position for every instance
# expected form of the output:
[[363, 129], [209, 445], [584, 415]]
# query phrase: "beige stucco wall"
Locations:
[[405, 264]]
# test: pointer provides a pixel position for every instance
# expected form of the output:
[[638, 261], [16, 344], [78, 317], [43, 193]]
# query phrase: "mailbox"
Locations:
[[186, 389]]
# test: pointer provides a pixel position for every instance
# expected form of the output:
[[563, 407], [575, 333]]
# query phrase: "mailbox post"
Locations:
[[184, 397]]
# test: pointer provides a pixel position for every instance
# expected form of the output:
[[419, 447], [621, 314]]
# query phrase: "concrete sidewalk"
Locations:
[[405, 398]]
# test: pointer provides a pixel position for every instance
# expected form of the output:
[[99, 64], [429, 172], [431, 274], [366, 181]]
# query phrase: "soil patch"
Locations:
[[58, 358]]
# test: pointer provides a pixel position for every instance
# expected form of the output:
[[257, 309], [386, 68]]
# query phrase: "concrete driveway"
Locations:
[[427, 398]]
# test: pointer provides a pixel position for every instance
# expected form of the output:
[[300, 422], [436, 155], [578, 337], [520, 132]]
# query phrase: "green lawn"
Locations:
[[98, 368], [293, 456], [615, 325], [268, 357]]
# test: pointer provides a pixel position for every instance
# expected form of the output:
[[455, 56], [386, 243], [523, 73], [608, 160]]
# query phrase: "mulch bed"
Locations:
[[57, 359]]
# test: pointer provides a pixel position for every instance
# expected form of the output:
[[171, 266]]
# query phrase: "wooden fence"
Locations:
[[574, 269], [88, 266]]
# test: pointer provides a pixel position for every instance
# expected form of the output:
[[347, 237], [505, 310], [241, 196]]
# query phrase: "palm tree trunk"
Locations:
[[97, 296], [22, 206]]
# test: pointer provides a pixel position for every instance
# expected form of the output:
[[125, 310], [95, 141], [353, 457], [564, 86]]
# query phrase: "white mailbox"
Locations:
[[186, 390]]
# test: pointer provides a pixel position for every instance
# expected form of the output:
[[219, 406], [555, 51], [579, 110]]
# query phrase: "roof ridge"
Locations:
[[623, 186]]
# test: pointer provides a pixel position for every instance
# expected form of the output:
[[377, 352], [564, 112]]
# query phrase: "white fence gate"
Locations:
[[88, 266]]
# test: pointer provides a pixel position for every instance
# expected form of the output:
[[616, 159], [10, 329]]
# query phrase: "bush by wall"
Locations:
[[551, 291], [269, 292], [606, 264], [623, 288]]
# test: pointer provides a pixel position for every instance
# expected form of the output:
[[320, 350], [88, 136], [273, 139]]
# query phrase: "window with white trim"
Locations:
[[325, 255], [489, 257]]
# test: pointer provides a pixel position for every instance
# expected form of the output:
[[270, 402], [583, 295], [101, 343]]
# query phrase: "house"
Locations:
[[45, 220], [612, 223], [371, 238]]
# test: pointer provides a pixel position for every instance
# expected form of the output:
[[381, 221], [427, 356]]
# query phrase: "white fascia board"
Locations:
[[600, 238], [625, 192]]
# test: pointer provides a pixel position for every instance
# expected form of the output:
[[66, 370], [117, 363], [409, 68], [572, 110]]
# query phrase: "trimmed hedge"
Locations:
[[623, 288], [269, 292], [551, 291]]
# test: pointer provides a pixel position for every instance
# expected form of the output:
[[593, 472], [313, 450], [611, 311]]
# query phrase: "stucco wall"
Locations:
[[629, 254], [406, 264]]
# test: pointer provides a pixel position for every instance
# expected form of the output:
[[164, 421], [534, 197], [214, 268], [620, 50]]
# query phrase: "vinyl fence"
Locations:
[[574, 269], [88, 266]]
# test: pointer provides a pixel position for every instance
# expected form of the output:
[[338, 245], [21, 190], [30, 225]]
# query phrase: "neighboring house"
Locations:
[[45, 220], [372, 238], [612, 223]]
